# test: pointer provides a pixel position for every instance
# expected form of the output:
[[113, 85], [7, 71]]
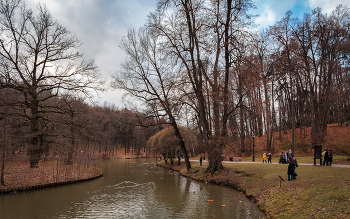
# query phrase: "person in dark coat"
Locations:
[[200, 160], [330, 157], [325, 162], [295, 169], [291, 169]]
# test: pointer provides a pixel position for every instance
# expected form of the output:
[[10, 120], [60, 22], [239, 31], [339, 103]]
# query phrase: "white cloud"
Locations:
[[327, 5], [100, 25], [266, 18], [271, 11]]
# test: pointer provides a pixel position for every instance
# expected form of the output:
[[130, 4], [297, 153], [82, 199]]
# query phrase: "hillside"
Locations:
[[337, 140]]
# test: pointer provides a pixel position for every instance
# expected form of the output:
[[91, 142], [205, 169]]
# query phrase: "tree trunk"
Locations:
[[182, 143], [3, 153], [3, 166], [72, 145], [215, 158], [34, 141]]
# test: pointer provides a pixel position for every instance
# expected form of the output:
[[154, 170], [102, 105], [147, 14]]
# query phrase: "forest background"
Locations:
[[194, 64]]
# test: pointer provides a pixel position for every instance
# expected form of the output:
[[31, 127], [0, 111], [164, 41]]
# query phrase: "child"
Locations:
[[264, 158]]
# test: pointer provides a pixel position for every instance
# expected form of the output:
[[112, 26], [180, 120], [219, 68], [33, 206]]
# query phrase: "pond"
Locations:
[[131, 188]]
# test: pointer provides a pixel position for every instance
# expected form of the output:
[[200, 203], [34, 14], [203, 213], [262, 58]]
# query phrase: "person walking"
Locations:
[[200, 160], [264, 157], [291, 170]]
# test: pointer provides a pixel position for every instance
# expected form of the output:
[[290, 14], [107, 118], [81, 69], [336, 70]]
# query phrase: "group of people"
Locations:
[[269, 156], [286, 157], [327, 157]]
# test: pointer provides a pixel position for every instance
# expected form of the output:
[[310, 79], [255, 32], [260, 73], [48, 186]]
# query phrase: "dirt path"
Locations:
[[303, 164]]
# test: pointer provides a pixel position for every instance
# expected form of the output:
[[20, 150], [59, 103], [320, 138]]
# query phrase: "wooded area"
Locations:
[[202, 65], [45, 90], [205, 64]]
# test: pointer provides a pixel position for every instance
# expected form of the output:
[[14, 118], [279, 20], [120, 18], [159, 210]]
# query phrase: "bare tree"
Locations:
[[148, 76], [203, 37], [41, 61]]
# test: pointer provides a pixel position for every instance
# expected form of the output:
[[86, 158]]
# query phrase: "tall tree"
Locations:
[[202, 37], [148, 75], [42, 62]]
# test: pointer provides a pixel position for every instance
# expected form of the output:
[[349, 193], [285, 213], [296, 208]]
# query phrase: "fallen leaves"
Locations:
[[19, 175]]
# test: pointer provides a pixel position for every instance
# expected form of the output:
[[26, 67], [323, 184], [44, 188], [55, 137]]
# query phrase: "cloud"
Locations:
[[272, 10], [327, 5], [266, 18], [100, 25]]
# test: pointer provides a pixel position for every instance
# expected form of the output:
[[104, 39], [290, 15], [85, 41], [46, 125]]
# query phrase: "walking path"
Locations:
[[257, 162]]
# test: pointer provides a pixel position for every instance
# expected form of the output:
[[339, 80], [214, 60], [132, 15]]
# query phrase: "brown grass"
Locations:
[[19, 176]]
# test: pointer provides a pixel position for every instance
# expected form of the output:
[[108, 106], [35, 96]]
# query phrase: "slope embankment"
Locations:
[[317, 192]]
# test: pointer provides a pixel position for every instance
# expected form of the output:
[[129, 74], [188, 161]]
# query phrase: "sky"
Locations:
[[101, 24]]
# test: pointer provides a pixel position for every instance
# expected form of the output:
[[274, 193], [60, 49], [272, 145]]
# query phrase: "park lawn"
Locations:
[[318, 191]]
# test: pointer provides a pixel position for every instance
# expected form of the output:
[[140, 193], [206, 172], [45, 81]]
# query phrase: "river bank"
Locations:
[[20, 177], [318, 191]]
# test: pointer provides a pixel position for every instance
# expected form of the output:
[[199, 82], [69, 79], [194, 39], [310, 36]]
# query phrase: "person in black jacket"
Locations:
[[330, 157], [291, 169], [325, 162]]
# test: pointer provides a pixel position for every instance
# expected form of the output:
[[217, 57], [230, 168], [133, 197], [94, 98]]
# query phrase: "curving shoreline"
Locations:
[[42, 186], [318, 192], [20, 178], [208, 178]]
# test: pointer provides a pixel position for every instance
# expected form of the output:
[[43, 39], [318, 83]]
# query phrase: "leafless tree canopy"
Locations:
[[38, 61], [203, 62]]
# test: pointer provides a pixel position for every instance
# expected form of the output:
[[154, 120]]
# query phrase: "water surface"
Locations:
[[131, 189]]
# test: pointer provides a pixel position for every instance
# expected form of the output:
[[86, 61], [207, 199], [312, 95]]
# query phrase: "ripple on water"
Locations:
[[126, 198]]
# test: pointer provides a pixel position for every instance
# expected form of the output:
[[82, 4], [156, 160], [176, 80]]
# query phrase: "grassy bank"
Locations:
[[318, 192]]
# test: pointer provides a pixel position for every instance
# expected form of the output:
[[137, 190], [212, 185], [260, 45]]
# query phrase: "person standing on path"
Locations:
[[291, 153], [323, 154], [330, 157], [291, 169], [264, 157], [295, 168], [269, 156], [325, 161], [281, 158], [200, 160]]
